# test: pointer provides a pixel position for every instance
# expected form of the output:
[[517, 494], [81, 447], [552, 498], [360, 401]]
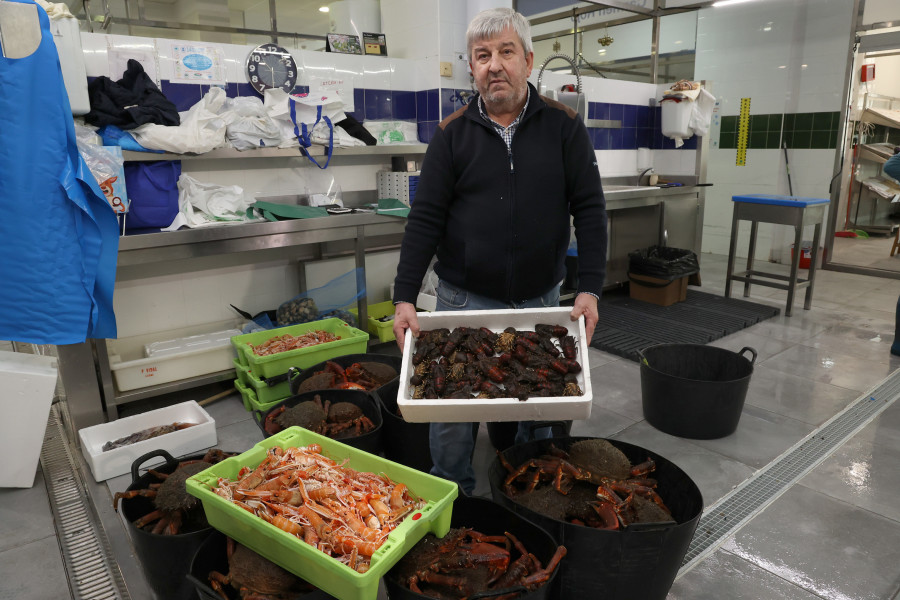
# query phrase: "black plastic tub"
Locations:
[[165, 559], [694, 391], [370, 442], [490, 518], [640, 561], [405, 443], [212, 555], [345, 361]]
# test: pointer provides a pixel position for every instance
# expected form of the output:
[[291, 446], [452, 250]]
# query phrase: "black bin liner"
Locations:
[[663, 262], [639, 562]]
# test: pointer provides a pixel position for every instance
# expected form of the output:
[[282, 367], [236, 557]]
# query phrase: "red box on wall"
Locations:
[[867, 73]]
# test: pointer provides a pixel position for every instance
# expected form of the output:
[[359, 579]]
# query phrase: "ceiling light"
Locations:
[[729, 2], [803, 66], [767, 28], [323, 9], [783, 67], [677, 42]]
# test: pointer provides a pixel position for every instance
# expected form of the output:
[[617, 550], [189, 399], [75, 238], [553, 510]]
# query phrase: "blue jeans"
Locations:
[[452, 443]]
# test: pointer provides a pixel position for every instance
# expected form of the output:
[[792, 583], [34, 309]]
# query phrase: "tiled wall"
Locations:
[[803, 131]]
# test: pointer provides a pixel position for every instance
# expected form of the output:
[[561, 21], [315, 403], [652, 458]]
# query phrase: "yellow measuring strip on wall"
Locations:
[[743, 132]]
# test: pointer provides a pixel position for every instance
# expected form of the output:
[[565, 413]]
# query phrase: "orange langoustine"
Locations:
[[346, 514]]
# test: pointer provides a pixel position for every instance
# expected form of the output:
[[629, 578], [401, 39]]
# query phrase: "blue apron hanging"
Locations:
[[58, 236]]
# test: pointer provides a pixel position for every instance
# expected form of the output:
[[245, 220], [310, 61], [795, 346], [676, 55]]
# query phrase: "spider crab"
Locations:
[[172, 504], [324, 418]]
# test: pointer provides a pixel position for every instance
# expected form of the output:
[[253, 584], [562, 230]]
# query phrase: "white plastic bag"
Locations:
[[201, 129], [202, 204], [247, 125], [701, 114], [393, 132]]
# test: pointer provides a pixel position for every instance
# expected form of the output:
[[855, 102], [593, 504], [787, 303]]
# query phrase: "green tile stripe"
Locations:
[[803, 131]]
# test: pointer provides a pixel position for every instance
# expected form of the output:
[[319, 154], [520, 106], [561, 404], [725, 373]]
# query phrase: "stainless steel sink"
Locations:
[[627, 188]]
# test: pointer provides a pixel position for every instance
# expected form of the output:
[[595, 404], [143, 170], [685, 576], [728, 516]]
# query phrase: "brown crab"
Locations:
[[173, 505], [254, 577], [323, 418]]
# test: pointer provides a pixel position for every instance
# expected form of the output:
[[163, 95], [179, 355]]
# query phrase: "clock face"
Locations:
[[271, 66]]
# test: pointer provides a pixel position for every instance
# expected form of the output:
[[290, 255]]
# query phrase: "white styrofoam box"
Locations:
[[204, 341], [132, 370], [117, 461], [28, 382], [426, 302], [497, 409]]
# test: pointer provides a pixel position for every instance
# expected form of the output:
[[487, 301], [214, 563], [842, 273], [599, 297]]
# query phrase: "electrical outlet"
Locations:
[[446, 69]]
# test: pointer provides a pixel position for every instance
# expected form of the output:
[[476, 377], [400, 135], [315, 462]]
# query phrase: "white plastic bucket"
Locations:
[[28, 382], [676, 118]]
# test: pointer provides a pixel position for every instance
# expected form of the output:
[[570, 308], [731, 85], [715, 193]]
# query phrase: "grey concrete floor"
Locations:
[[832, 535]]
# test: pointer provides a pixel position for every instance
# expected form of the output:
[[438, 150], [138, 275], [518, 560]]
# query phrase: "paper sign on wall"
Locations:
[[196, 63]]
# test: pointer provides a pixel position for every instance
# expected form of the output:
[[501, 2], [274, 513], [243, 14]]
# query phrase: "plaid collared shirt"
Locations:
[[505, 132]]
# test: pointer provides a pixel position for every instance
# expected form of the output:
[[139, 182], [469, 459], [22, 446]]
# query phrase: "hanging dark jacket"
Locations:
[[129, 102], [498, 220]]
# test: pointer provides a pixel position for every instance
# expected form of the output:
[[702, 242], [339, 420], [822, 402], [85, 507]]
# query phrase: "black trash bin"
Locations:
[[694, 391], [663, 262]]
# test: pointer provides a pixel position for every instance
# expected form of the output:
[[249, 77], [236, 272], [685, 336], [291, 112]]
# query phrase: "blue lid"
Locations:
[[779, 200]]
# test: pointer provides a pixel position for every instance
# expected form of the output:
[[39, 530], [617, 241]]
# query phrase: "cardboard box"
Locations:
[[657, 291], [497, 409]]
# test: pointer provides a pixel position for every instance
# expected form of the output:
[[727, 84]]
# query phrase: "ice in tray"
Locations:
[[497, 409]]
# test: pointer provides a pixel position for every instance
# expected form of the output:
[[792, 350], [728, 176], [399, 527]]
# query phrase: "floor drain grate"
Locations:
[[93, 573], [747, 500]]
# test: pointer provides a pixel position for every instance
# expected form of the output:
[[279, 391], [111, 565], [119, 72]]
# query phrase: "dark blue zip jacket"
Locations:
[[498, 221]]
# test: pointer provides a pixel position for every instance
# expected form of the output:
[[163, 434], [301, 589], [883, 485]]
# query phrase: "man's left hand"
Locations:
[[586, 304]]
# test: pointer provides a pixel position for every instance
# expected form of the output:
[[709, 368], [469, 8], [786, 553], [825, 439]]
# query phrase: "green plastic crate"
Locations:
[[251, 402], [291, 552], [265, 394], [352, 341], [383, 329]]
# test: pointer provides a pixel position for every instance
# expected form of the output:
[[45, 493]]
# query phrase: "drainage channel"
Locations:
[[737, 508], [93, 573]]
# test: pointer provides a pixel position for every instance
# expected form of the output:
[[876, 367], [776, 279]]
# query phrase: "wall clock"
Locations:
[[271, 66]]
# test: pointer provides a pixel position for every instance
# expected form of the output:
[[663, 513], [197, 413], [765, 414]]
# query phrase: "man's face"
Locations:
[[501, 69]]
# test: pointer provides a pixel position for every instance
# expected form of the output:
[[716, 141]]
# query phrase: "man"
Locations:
[[500, 179]]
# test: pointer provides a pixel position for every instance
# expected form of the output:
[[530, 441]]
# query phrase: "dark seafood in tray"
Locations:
[[337, 420], [174, 508], [476, 362], [145, 434], [465, 562], [593, 484], [252, 576]]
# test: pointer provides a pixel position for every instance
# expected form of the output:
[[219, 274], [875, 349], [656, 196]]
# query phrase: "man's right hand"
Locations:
[[405, 318]]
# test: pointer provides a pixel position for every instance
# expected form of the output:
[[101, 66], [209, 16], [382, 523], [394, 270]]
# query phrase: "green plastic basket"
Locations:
[[384, 330], [251, 402], [265, 394], [352, 341], [291, 552]]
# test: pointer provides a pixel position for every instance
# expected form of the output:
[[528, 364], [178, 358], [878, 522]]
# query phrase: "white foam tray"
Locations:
[[178, 443], [497, 409]]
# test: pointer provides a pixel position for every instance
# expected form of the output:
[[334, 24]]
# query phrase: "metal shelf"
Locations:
[[231, 153], [175, 386]]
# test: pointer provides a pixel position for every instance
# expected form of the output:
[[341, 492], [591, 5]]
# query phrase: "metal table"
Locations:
[[194, 249], [781, 210]]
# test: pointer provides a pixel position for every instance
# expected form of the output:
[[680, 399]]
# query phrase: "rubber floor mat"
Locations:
[[627, 325]]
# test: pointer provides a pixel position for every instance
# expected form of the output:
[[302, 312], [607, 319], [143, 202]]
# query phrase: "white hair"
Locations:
[[488, 23]]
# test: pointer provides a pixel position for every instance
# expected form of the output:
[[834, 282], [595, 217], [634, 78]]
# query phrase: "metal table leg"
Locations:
[[731, 251], [754, 229], [795, 265]]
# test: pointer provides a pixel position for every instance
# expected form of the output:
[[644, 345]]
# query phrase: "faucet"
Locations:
[[644, 172]]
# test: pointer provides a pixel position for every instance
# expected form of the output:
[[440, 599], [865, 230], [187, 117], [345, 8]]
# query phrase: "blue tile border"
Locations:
[[640, 124]]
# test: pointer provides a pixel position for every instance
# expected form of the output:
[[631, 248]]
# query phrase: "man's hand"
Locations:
[[585, 304], [405, 318]]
